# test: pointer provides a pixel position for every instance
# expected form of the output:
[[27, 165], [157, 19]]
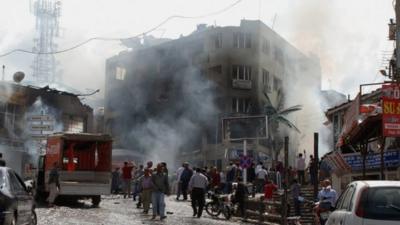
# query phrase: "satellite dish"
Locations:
[[18, 76]]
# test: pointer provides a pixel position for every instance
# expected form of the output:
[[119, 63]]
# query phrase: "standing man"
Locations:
[[146, 185], [231, 177], [295, 189], [185, 178], [136, 177], [197, 185], [269, 189], [54, 184], [127, 178], [115, 181], [241, 195], [301, 166], [261, 176], [160, 189], [215, 178], [178, 181]]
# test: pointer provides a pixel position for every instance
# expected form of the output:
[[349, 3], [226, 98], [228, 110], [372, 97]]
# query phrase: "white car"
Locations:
[[368, 203]]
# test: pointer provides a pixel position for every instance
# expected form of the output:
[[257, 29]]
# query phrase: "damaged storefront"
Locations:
[[28, 114]]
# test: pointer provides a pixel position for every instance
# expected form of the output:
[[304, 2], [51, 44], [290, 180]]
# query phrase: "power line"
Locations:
[[119, 39]]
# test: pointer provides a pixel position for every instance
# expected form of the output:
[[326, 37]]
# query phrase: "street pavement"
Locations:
[[116, 210]]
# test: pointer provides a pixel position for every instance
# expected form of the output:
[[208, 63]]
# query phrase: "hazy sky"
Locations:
[[349, 36]]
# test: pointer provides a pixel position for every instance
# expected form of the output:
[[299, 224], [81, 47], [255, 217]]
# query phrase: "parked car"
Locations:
[[368, 203], [16, 203]]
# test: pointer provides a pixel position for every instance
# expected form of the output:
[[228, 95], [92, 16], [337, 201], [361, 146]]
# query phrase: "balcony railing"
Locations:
[[242, 84]]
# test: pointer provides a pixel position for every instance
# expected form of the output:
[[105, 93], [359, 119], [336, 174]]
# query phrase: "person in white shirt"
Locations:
[[178, 180], [301, 166], [222, 178], [259, 167], [261, 176], [197, 186]]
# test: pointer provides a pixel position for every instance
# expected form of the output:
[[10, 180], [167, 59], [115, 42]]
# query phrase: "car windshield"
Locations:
[[383, 203]]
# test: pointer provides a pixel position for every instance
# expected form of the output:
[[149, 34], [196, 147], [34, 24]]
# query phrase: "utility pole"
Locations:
[[315, 166], [245, 155], [286, 180]]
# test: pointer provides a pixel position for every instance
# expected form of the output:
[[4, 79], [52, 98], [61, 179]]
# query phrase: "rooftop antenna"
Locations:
[[273, 21], [47, 13]]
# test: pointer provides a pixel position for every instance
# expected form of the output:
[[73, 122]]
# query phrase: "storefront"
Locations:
[[342, 175]]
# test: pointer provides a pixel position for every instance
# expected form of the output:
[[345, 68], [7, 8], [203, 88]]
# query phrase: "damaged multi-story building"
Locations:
[[29, 113], [168, 100]]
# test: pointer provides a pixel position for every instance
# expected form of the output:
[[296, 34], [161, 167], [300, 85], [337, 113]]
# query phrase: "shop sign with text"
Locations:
[[391, 110]]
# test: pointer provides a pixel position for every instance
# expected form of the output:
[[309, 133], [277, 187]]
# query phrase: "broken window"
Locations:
[[241, 72], [73, 124], [120, 73], [10, 116], [240, 105], [266, 80], [241, 40]]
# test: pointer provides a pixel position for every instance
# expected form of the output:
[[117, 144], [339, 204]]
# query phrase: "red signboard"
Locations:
[[391, 110]]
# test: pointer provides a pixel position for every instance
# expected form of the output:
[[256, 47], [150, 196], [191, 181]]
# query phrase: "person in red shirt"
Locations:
[[269, 189], [215, 178], [127, 178]]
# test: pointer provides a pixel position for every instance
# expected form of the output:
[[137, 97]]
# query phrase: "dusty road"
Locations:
[[116, 210]]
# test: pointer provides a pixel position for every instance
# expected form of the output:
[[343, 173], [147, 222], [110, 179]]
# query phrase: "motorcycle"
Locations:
[[219, 204]]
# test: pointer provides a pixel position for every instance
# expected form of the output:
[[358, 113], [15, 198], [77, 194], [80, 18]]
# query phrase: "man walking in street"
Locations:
[[146, 187], [115, 181], [54, 184], [127, 178], [261, 176], [301, 166], [136, 177], [185, 178], [178, 181], [241, 195], [160, 189], [197, 185]]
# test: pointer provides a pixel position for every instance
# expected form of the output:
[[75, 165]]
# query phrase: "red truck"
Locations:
[[84, 165]]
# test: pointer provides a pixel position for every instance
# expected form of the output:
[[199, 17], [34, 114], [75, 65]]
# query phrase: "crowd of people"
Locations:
[[149, 185]]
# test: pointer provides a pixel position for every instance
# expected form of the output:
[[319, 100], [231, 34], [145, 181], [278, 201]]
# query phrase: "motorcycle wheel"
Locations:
[[227, 212], [212, 209]]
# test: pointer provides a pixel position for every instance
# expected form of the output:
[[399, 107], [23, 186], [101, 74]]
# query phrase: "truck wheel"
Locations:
[[96, 200]]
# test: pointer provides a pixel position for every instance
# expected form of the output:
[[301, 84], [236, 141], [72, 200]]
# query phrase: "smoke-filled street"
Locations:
[[116, 210]]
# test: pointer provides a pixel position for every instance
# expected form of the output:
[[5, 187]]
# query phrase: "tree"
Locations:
[[277, 115]]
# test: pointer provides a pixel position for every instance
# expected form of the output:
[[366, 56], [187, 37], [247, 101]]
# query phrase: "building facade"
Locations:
[[182, 89]]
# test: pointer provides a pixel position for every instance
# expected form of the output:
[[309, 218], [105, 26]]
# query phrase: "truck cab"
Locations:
[[84, 165]]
